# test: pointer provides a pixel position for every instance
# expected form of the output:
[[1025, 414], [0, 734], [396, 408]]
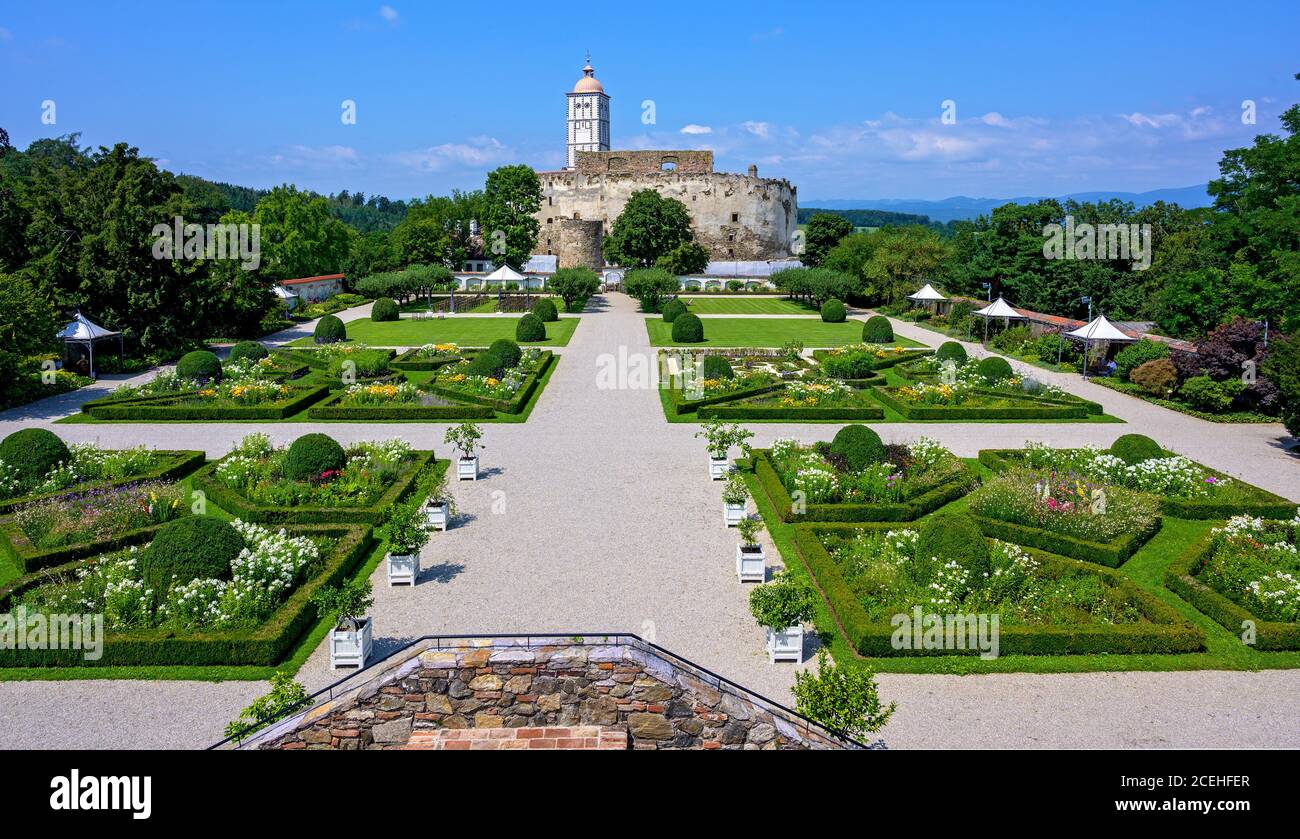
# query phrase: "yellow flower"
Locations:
[[491, 382]]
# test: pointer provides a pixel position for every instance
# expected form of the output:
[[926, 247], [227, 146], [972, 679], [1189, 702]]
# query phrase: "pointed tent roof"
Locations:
[[506, 274], [927, 292], [83, 329], [1099, 329], [282, 292], [999, 309]]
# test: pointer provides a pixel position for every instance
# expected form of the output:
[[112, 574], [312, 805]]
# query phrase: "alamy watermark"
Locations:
[[929, 631], [179, 240], [1127, 242], [23, 630]]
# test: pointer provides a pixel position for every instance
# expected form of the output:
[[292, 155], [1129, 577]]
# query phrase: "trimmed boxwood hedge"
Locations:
[[265, 645], [1031, 410], [1167, 632], [759, 412], [1269, 506], [1181, 580], [164, 408], [890, 359], [15, 545], [682, 405], [233, 502], [173, 464], [411, 362], [513, 406], [1112, 554], [331, 410], [902, 511]]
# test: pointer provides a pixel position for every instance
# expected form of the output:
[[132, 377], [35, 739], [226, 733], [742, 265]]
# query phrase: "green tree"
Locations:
[[686, 258], [651, 286], [436, 230], [845, 700], [649, 227], [822, 233], [299, 237], [1283, 367], [574, 286], [902, 258], [508, 221], [28, 324]]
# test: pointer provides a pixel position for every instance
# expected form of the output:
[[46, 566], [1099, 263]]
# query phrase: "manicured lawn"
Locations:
[[764, 332], [465, 331], [746, 306]]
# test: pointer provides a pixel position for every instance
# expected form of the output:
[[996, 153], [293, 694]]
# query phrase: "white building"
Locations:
[[588, 121]]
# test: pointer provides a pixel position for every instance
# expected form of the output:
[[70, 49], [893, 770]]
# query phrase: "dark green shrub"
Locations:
[[851, 365], [248, 351], [199, 366], [544, 309], [311, 455], [877, 330], [508, 351], [1013, 338], [384, 309], [486, 363], [1050, 346], [673, 308], [951, 350], [530, 328], [1205, 394], [858, 446], [1132, 357], [688, 329], [1157, 377], [1135, 448], [33, 452], [329, 330], [833, 311], [948, 538], [717, 367], [187, 549], [994, 368]]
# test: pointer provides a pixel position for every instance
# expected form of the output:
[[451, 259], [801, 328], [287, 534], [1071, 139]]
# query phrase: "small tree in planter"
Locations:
[[734, 496], [352, 636], [439, 506], [846, 701], [720, 438], [751, 562], [781, 607], [465, 439], [407, 535], [286, 695]]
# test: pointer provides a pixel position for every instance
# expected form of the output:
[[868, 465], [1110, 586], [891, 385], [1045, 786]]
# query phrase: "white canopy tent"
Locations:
[[998, 309], [83, 332], [1097, 331], [504, 274], [926, 294], [286, 296]]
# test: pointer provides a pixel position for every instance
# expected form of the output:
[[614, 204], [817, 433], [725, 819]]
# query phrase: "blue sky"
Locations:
[[844, 100]]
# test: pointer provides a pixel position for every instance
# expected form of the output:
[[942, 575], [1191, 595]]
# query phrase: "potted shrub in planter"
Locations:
[[352, 637], [781, 607], [734, 496], [465, 438], [406, 534], [439, 506], [719, 438], [751, 562]]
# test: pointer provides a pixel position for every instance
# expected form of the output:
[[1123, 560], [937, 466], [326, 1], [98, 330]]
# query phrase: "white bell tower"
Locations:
[[588, 119]]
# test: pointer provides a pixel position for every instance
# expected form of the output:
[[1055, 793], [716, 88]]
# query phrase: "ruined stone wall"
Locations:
[[736, 217], [579, 243], [644, 162], [661, 702]]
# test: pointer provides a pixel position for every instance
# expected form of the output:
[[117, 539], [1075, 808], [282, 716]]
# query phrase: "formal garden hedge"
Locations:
[[729, 411], [171, 408], [1022, 408], [264, 645], [927, 501], [1264, 504], [233, 502], [518, 402], [682, 405], [1180, 578], [1112, 554], [330, 409], [411, 361], [890, 359], [1163, 630], [173, 464]]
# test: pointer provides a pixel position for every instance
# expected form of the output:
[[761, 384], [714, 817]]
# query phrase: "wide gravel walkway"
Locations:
[[597, 515]]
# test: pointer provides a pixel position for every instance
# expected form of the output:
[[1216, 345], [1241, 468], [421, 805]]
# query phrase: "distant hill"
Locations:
[[864, 218], [964, 207]]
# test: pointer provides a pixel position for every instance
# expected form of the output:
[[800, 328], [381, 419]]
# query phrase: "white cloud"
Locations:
[[1149, 120], [478, 152], [994, 118], [389, 14], [758, 129], [696, 129]]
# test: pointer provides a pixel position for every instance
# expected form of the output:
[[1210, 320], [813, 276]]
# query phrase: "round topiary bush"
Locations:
[[544, 308], [33, 452], [384, 309], [673, 309], [311, 455], [948, 538], [187, 549], [688, 329], [248, 351], [1135, 448], [330, 330], [877, 330], [199, 366], [530, 328], [506, 350], [833, 311], [717, 367], [859, 446], [486, 363], [994, 368], [951, 350]]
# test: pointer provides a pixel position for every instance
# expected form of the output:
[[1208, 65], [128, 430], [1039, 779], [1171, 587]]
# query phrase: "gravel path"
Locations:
[[597, 515]]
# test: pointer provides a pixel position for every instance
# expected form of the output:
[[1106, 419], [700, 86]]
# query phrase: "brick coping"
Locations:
[[567, 738]]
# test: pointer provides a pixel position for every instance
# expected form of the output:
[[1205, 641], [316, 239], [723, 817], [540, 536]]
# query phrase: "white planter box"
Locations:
[[785, 646], [351, 649], [403, 569], [718, 468], [751, 566], [435, 515], [732, 513], [467, 468]]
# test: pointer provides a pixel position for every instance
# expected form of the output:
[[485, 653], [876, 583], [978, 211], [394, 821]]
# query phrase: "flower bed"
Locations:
[[919, 480], [1067, 514], [957, 402], [227, 401], [428, 357], [968, 382], [800, 400], [1047, 605], [1246, 577], [93, 468], [403, 401], [1187, 490], [857, 361], [509, 393], [256, 618], [250, 483]]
